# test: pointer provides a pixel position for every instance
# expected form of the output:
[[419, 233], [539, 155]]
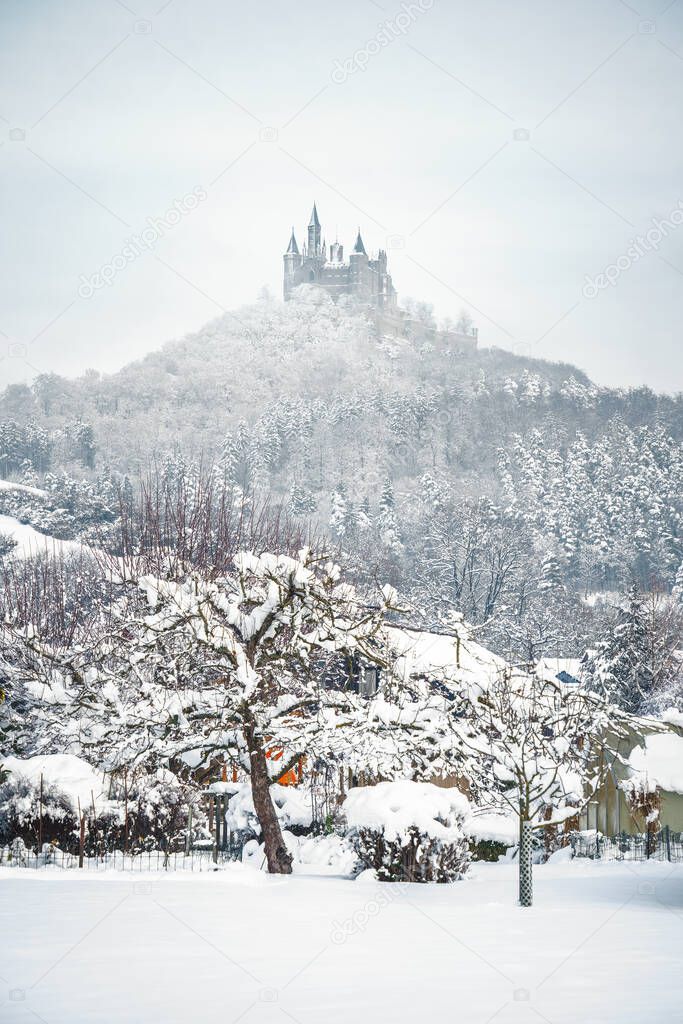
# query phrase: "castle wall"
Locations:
[[394, 320], [367, 280]]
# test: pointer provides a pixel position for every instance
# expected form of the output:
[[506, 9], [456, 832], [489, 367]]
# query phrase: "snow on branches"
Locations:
[[193, 669]]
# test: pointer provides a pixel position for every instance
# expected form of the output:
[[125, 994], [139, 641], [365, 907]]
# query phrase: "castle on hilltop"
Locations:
[[366, 279], [369, 281]]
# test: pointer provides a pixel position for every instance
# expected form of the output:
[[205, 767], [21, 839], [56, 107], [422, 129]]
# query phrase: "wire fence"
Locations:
[[199, 860], [663, 845]]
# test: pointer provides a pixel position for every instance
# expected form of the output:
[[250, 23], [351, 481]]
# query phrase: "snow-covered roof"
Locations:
[[553, 669], [444, 656], [659, 763], [672, 716]]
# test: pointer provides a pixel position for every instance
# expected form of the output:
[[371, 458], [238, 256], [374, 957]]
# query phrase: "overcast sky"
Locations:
[[508, 154]]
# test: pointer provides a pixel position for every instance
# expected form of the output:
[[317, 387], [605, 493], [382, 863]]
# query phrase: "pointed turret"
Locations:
[[359, 247], [292, 260], [314, 233], [292, 248]]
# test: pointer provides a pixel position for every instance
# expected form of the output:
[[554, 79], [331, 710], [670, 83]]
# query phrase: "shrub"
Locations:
[[158, 805], [20, 813], [292, 806], [488, 849], [413, 856], [409, 831]]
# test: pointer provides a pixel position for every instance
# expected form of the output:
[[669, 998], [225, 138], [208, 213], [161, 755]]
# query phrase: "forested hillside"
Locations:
[[501, 487]]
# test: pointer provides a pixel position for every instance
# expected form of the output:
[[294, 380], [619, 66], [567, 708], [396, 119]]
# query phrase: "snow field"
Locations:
[[31, 543], [602, 944]]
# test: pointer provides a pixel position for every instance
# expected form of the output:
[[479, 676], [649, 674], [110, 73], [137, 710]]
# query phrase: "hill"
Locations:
[[476, 479]]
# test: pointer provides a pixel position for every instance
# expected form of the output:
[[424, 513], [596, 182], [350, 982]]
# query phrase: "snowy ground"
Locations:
[[602, 944], [31, 543]]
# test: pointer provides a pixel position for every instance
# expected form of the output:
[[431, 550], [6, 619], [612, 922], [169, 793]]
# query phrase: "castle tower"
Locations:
[[358, 270], [314, 234], [292, 260]]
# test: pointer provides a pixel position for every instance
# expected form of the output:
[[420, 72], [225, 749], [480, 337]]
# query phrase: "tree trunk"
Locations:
[[278, 856]]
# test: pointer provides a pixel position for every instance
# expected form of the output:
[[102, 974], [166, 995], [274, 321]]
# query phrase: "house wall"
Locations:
[[610, 812]]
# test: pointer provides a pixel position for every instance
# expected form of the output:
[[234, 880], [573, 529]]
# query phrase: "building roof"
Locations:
[[293, 247], [566, 670], [359, 247], [658, 764], [314, 222]]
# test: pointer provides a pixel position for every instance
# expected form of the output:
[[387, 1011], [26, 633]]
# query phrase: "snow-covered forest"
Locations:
[[510, 490]]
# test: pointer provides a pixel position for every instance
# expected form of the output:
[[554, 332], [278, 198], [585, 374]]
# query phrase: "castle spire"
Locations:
[[314, 233], [359, 247], [293, 248]]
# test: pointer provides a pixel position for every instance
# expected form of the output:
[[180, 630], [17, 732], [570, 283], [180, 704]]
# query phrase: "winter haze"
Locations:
[[507, 151], [341, 511]]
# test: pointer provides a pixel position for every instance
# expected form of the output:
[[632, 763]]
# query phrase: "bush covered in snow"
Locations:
[[409, 831], [292, 806], [157, 806], [20, 813], [311, 854], [491, 834]]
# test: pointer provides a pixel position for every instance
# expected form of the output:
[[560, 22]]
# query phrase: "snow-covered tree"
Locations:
[[536, 745], [206, 669], [636, 660]]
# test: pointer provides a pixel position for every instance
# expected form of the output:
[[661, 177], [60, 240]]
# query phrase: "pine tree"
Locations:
[[551, 575], [301, 501], [341, 513], [387, 501], [678, 584], [621, 668]]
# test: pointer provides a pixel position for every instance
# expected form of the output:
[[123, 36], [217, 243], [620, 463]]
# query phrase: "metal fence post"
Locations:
[[667, 840], [188, 837], [217, 824]]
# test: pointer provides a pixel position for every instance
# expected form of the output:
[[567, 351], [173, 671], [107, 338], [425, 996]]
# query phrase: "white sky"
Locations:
[[127, 107]]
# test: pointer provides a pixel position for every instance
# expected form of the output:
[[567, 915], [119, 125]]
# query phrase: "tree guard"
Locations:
[[526, 883]]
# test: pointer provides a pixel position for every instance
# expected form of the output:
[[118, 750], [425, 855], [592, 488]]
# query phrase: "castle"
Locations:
[[369, 281], [366, 279]]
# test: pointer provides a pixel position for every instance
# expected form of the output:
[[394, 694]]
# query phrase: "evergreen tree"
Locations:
[[552, 577], [301, 501], [621, 668], [341, 513]]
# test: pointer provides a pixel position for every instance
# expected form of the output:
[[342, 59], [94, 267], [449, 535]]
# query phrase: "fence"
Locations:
[[663, 845], [150, 860]]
